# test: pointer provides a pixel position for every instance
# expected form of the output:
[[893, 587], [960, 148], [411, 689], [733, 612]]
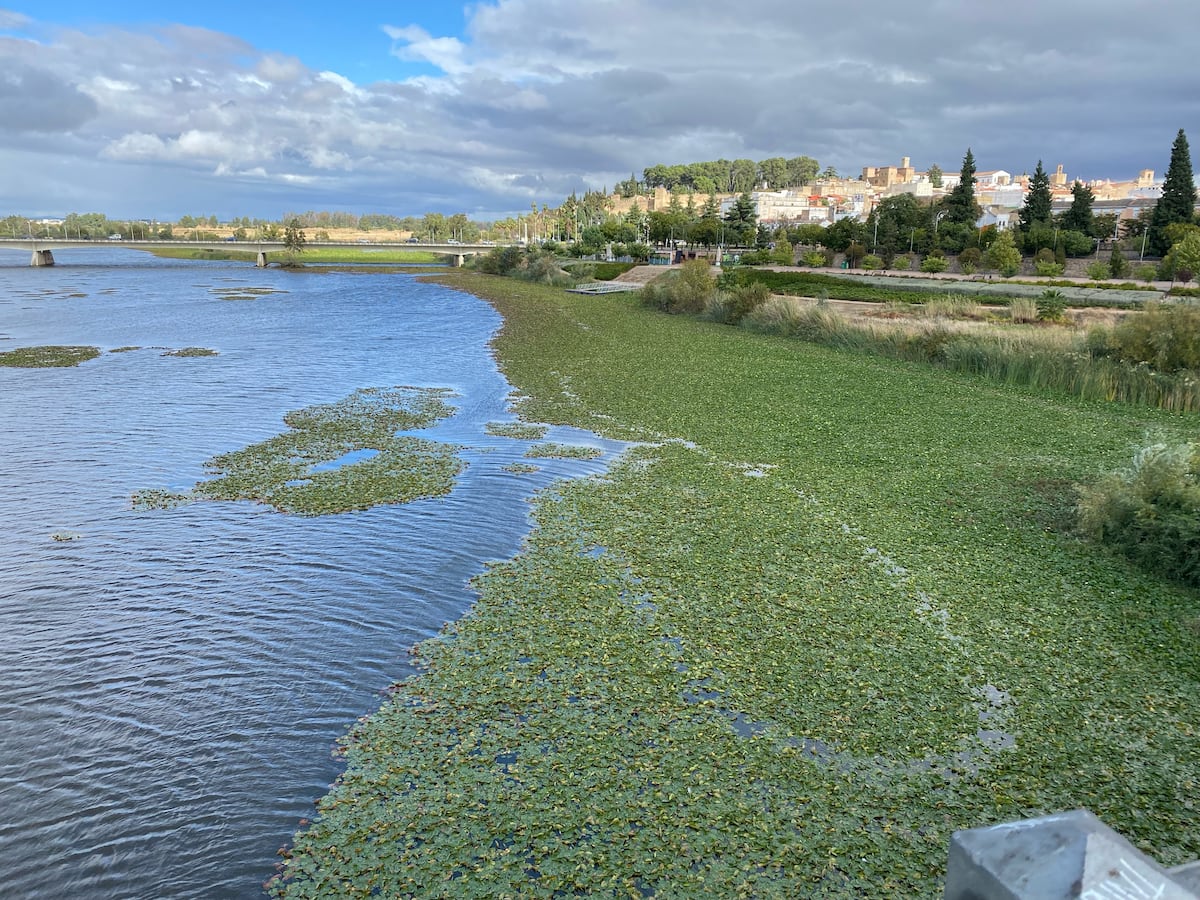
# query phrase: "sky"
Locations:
[[157, 110]]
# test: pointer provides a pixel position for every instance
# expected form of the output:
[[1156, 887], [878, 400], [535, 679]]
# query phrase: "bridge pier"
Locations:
[[262, 259], [42, 258], [459, 259]]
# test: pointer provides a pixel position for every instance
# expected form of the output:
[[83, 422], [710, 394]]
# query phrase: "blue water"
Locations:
[[172, 681]]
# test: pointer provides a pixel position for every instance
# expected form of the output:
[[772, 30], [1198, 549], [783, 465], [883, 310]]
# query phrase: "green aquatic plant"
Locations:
[[124, 349], [563, 451], [521, 431], [302, 470], [156, 498], [47, 357], [521, 469], [191, 351]]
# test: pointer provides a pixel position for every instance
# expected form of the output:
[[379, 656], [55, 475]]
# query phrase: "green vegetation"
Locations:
[[884, 289], [336, 457], [190, 351], [830, 612], [1177, 204], [521, 431], [1150, 511], [563, 451], [47, 357]]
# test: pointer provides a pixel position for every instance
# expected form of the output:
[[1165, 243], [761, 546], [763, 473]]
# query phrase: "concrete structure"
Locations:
[[43, 248], [1060, 857]]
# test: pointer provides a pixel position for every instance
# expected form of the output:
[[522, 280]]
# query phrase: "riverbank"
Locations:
[[830, 611], [309, 255]]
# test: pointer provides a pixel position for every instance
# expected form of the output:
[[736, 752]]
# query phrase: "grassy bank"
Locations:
[[830, 613]]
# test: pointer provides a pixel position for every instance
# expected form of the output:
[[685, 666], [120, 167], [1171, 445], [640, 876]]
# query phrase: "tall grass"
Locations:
[[1053, 359], [953, 306]]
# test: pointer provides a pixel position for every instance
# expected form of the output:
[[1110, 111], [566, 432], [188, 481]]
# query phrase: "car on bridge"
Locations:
[[115, 237], [413, 240]]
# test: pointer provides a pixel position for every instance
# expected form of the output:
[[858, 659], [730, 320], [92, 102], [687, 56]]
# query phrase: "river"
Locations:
[[172, 681]]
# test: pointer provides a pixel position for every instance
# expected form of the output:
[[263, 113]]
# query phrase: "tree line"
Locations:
[[723, 176]]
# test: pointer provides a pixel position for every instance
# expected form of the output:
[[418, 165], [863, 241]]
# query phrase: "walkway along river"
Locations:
[[172, 681]]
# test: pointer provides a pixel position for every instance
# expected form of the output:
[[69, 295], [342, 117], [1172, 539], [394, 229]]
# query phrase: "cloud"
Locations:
[[33, 99], [536, 98], [415, 44]]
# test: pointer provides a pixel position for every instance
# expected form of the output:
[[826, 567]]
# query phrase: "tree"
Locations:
[[802, 170], [1003, 255], [1183, 261], [935, 175], [774, 172], [1036, 208], [743, 173], [741, 220], [893, 225], [1079, 216], [960, 205], [294, 238], [1178, 200]]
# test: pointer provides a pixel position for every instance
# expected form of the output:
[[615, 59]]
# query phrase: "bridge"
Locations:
[[42, 249]]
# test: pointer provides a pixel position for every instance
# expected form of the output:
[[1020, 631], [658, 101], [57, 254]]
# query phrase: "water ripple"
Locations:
[[171, 682]]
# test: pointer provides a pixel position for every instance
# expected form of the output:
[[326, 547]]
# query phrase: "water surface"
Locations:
[[172, 681]]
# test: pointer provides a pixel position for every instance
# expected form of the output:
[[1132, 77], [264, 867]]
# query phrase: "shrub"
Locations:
[[1003, 255], [1165, 336], [1118, 266], [969, 260], [783, 255], [901, 263], [1051, 269], [542, 267], [855, 253], [872, 262], [500, 260], [1051, 306], [1150, 511], [730, 307], [814, 258], [690, 290], [934, 262], [1146, 272], [1098, 270]]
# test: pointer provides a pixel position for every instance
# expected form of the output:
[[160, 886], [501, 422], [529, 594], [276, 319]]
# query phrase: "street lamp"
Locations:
[[937, 219]]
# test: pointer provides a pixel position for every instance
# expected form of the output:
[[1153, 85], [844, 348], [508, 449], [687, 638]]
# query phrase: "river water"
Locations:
[[172, 681]]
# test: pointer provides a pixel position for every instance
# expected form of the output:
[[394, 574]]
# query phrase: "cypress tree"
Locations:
[[1079, 217], [960, 203], [1178, 200], [1036, 209]]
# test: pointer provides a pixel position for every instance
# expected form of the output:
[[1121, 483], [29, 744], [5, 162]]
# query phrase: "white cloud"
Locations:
[[415, 44], [539, 97]]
